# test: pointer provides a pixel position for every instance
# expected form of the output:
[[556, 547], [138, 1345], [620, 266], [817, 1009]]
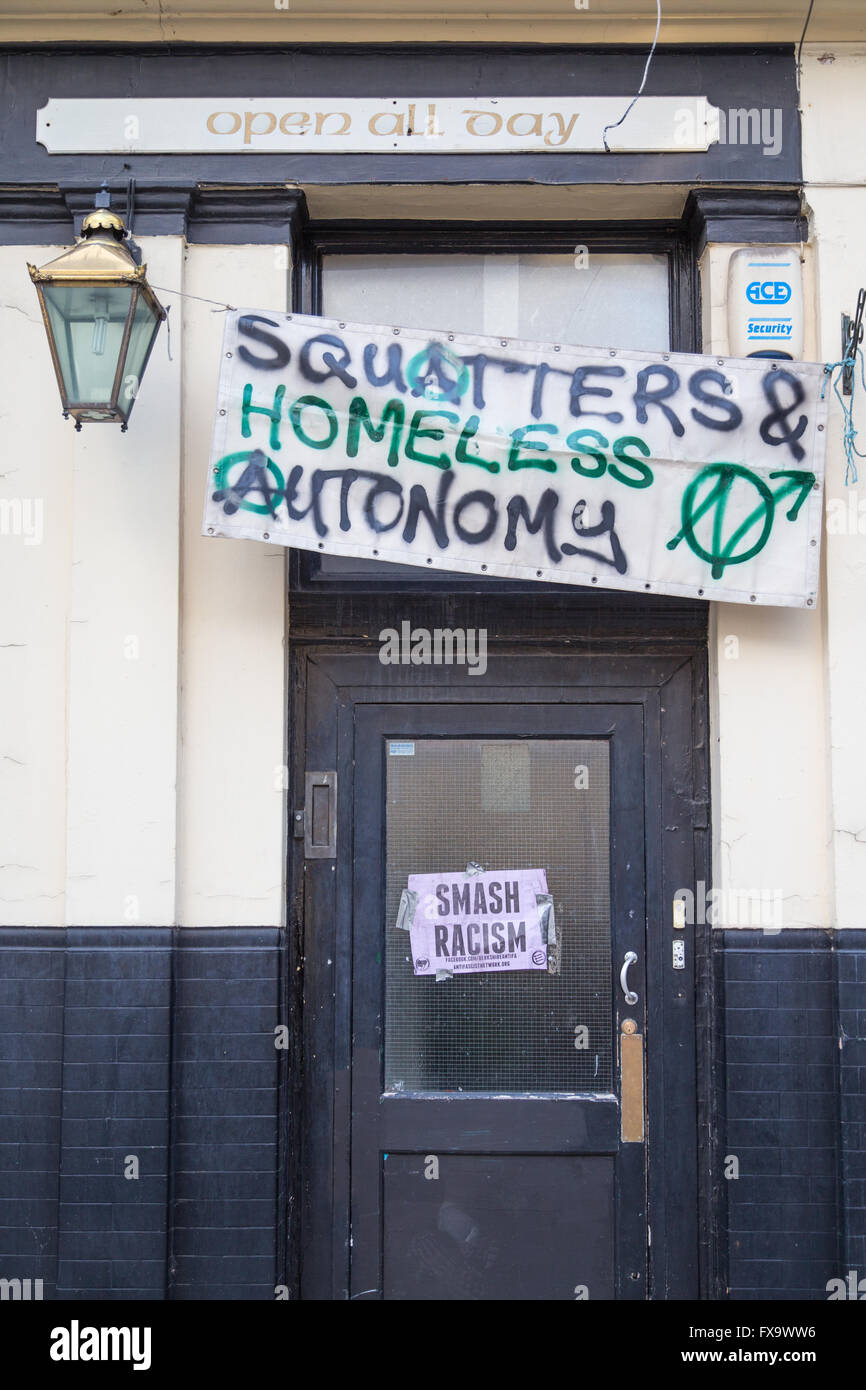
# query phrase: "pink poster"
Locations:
[[486, 921]]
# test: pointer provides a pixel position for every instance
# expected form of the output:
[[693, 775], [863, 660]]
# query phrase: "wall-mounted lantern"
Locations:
[[101, 317]]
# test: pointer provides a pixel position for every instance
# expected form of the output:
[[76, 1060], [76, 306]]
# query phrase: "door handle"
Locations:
[[629, 959], [320, 815]]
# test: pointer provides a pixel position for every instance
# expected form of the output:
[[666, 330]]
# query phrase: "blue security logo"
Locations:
[[768, 292], [770, 328]]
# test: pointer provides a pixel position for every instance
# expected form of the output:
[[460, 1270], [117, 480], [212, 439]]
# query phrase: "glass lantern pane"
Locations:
[[144, 326], [87, 323]]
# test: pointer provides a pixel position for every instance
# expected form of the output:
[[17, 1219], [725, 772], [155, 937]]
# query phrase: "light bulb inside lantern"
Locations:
[[100, 328]]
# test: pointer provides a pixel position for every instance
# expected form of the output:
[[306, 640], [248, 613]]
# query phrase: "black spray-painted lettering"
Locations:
[[254, 479], [394, 370], [579, 389], [419, 505], [479, 362], [478, 498], [279, 348], [332, 366], [383, 487], [605, 527], [733, 416], [545, 513], [542, 372], [643, 397], [780, 412]]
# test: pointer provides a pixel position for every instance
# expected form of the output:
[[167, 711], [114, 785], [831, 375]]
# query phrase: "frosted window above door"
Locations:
[[612, 301]]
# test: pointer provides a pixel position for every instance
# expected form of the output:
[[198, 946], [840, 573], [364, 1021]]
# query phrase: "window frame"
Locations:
[[368, 236]]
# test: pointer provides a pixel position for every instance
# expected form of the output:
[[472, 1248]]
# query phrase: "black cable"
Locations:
[[614, 124], [802, 39]]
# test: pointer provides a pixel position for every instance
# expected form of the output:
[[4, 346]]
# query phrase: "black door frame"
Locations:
[[654, 655]]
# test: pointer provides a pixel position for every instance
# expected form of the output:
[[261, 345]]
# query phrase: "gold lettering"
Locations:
[[535, 127], [395, 116], [249, 128], [297, 119], [476, 116], [322, 116], [564, 131], [212, 118]]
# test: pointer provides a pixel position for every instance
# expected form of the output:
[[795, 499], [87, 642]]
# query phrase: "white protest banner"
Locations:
[[663, 473], [481, 921]]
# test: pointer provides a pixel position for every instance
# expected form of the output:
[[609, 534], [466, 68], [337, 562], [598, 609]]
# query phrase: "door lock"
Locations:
[[631, 1083]]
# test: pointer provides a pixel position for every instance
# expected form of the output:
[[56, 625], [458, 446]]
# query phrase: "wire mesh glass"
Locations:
[[507, 805]]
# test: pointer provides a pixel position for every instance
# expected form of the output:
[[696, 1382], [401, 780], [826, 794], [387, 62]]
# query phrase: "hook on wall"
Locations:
[[852, 336]]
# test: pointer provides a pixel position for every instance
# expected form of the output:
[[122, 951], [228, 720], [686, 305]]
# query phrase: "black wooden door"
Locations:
[[488, 1135]]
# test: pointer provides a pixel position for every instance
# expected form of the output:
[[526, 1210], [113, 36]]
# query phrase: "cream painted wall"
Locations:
[[232, 748], [771, 831], [35, 476], [838, 219], [143, 719], [122, 706], [89, 636], [835, 170], [789, 749]]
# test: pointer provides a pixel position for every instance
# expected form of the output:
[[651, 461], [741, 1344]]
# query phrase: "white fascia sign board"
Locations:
[[370, 125]]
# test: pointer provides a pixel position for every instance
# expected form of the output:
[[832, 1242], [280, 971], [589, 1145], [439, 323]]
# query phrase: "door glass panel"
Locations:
[[587, 299], [506, 805]]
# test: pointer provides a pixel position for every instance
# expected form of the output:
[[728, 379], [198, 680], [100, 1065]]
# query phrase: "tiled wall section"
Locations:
[[160, 1046], [851, 971], [148, 1045], [794, 1109], [115, 1114], [31, 1064], [226, 1115]]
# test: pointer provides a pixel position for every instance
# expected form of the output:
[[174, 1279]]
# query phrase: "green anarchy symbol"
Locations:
[[722, 477], [446, 367], [253, 478]]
